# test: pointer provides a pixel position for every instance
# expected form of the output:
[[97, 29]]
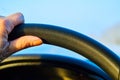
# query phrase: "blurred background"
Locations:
[[98, 19]]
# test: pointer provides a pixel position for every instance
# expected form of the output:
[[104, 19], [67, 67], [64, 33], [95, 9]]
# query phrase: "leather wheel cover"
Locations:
[[77, 42]]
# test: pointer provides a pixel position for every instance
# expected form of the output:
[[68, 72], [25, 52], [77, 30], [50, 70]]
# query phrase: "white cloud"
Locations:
[[111, 38]]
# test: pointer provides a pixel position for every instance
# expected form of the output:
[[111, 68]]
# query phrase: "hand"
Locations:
[[7, 48]]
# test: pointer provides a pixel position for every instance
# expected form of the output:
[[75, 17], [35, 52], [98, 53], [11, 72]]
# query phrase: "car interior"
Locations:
[[56, 67]]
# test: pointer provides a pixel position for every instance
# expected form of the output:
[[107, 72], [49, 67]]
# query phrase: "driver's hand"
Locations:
[[9, 47]]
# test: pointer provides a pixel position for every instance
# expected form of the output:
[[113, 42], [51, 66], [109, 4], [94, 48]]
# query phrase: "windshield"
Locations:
[[96, 19]]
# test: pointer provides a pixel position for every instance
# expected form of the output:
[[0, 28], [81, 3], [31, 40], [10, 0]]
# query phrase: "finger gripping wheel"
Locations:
[[74, 41]]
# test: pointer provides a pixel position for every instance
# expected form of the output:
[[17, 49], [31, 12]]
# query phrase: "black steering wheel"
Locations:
[[89, 48]]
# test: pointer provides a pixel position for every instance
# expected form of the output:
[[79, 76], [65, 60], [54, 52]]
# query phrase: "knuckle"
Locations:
[[20, 17], [6, 25], [23, 44], [3, 44], [19, 14], [3, 22]]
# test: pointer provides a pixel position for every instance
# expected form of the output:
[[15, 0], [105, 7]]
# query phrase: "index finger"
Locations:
[[15, 19]]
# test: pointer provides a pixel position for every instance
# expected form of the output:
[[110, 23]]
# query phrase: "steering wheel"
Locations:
[[107, 60]]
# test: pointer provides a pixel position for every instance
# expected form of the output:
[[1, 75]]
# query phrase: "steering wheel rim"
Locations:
[[89, 48]]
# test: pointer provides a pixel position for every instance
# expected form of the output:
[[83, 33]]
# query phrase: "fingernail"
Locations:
[[37, 42]]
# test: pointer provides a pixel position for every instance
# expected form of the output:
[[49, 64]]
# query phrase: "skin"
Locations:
[[7, 48]]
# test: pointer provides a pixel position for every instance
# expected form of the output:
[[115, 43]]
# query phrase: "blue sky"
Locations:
[[90, 17]]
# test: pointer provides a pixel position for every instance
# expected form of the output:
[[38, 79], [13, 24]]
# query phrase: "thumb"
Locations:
[[24, 42]]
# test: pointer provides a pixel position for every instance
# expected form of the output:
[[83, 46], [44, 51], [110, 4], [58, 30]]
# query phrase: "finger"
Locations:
[[16, 19], [24, 42], [3, 26], [8, 23]]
